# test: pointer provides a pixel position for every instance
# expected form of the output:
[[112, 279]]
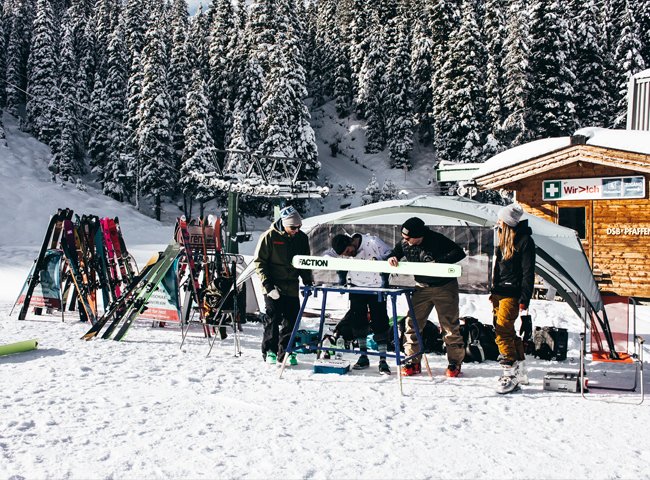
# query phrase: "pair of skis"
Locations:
[[123, 312], [50, 241]]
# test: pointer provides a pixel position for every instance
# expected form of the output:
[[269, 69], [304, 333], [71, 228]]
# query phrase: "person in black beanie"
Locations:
[[420, 244]]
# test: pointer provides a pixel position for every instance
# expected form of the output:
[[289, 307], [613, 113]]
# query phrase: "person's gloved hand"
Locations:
[[308, 283], [274, 294]]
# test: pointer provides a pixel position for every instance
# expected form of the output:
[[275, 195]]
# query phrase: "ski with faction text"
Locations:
[[429, 269]]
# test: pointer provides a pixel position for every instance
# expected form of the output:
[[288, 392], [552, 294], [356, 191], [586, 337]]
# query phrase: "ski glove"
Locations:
[[274, 294]]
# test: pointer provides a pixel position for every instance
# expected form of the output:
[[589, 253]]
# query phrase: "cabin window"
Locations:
[[575, 218]]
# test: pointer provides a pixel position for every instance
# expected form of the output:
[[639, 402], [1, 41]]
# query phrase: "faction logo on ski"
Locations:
[[312, 262]]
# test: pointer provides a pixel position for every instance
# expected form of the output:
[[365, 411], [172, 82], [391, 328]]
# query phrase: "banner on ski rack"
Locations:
[[164, 303], [477, 242], [159, 308], [47, 292]]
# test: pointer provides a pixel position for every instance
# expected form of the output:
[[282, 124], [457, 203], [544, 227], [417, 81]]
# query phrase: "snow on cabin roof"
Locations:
[[521, 153], [636, 141]]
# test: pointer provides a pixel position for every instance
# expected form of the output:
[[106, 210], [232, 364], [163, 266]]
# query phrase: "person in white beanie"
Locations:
[[275, 251], [512, 288], [365, 306]]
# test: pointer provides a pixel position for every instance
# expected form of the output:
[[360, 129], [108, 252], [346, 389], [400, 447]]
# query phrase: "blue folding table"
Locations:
[[382, 293]]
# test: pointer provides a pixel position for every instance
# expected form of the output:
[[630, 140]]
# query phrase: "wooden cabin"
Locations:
[[595, 182]]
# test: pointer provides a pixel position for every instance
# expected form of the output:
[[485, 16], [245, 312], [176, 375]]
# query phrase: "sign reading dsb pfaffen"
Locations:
[[594, 188]]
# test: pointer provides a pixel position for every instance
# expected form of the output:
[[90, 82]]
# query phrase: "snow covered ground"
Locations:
[[144, 408]]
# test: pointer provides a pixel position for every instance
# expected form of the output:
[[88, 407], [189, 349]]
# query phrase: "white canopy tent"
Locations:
[[560, 258]]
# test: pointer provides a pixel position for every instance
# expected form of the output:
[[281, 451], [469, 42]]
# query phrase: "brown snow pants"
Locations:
[[445, 301]]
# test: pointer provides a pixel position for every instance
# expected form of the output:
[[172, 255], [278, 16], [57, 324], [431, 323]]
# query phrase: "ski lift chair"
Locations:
[[612, 373]]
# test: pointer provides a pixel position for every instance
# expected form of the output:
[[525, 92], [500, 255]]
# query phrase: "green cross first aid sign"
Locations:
[[552, 190]]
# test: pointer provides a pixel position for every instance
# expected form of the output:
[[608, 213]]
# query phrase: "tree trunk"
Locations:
[[157, 206]]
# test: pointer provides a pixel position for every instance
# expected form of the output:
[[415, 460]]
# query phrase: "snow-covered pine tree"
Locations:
[[307, 14], [643, 9], [114, 174], [222, 83], [245, 132], [261, 31], [372, 87], [78, 22], [3, 62], [105, 19], [19, 22], [358, 46], [135, 25], [608, 35], [421, 73], [515, 129], [327, 44], [388, 191], [551, 100], [198, 41], [303, 138], [99, 141], [242, 15], [156, 175], [178, 77], [132, 123], [343, 85], [199, 154], [628, 59], [42, 74], [591, 93], [494, 27], [399, 107], [444, 19], [67, 148], [372, 192], [277, 112], [463, 108]]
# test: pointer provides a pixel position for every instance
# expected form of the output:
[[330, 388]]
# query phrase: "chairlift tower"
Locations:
[[243, 173]]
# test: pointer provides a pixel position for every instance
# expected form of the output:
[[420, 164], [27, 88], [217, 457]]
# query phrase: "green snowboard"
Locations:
[[19, 347]]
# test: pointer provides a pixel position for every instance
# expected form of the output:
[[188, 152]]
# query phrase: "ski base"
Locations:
[[428, 269]]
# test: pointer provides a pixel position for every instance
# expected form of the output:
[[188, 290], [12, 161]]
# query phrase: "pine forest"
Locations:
[[146, 98]]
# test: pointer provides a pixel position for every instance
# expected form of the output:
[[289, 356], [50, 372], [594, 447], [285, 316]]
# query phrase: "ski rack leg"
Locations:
[[307, 291], [185, 317]]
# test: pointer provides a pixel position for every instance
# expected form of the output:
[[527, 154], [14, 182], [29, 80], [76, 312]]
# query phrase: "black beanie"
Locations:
[[340, 242], [413, 227]]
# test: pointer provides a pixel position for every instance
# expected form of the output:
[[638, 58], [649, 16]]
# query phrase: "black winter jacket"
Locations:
[[273, 257], [435, 247], [515, 277]]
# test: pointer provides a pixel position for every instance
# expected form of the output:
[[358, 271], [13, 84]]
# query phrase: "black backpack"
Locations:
[[550, 343], [480, 340]]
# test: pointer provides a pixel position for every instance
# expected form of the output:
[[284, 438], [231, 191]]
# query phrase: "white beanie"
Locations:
[[511, 214]]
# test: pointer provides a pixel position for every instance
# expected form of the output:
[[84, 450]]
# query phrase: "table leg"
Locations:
[[397, 343], [322, 323]]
